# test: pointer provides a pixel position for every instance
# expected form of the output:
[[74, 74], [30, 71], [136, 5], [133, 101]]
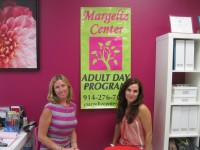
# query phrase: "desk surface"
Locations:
[[18, 143]]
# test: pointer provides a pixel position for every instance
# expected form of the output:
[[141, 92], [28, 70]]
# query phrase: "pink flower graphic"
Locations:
[[17, 38], [105, 53]]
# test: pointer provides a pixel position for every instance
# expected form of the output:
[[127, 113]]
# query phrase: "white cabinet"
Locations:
[[164, 106]]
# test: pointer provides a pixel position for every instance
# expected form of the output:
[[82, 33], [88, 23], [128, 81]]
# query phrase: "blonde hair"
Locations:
[[52, 97]]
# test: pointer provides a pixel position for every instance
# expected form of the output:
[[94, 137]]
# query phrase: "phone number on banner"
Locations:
[[99, 97]]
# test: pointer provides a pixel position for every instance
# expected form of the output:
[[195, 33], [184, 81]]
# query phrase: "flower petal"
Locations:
[[4, 29], [10, 23]]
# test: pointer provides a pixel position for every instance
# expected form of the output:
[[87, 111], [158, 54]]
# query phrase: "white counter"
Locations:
[[22, 138]]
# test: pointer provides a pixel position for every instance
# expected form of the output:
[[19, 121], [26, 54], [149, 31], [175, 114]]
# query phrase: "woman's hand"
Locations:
[[71, 148], [74, 145]]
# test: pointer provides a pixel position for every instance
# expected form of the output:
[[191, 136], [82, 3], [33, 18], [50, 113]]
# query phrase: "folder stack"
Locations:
[[183, 55], [184, 118], [184, 93]]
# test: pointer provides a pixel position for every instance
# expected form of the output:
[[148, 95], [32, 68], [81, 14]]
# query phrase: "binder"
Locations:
[[175, 119], [189, 55], [184, 119], [179, 55], [193, 120]]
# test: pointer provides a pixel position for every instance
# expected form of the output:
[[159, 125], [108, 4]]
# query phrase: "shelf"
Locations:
[[183, 135], [194, 71], [179, 36], [167, 113], [185, 104]]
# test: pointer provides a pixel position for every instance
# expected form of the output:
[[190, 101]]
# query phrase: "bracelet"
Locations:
[[112, 145], [59, 147]]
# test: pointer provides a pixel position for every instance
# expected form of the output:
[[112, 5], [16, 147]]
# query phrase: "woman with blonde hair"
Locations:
[[58, 120]]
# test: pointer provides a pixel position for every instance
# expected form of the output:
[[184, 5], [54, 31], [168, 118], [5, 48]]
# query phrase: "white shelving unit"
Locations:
[[165, 77]]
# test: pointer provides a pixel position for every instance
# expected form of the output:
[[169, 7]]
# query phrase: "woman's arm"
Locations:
[[145, 117], [116, 134], [44, 122], [74, 143]]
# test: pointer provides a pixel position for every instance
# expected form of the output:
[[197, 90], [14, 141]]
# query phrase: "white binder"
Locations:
[[179, 55], [184, 119], [189, 55], [193, 119], [175, 119]]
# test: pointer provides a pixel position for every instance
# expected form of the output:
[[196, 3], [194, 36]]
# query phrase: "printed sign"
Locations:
[[105, 55], [181, 24]]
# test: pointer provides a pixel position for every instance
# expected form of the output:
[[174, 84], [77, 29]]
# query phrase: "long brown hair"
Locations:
[[122, 101]]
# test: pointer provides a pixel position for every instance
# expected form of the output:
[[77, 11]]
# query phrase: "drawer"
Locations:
[[184, 99], [184, 90]]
